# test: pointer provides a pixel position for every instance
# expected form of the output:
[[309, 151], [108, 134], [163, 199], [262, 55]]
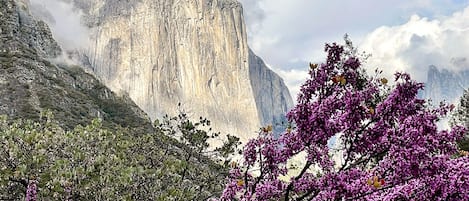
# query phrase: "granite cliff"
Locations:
[[272, 97], [191, 52], [34, 79]]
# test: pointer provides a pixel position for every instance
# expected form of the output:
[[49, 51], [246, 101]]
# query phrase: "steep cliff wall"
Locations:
[[273, 99], [192, 52]]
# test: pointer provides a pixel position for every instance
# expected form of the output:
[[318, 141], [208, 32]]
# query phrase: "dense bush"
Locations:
[[40, 160]]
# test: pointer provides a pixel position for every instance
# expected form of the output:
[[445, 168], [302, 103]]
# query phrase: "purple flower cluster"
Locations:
[[31, 191], [392, 149]]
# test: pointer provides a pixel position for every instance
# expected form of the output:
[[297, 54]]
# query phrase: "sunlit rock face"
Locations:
[[192, 52]]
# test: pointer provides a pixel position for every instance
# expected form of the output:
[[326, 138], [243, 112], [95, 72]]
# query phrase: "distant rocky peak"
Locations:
[[445, 85], [272, 96]]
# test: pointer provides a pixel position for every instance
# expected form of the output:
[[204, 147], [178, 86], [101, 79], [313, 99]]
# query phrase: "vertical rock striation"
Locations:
[[273, 99], [192, 52]]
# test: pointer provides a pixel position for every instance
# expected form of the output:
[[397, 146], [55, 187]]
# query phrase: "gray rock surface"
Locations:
[[192, 52], [273, 99], [19, 29], [31, 83], [444, 85]]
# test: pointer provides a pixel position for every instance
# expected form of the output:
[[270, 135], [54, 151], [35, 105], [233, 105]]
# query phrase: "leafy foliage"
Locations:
[[41, 160], [461, 116], [388, 142], [196, 136]]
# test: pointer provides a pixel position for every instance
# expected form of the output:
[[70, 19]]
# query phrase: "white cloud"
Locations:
[[64, 21], [293, 79], [420, 42]]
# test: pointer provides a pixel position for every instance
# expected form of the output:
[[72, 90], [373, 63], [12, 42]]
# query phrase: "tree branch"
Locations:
[[349, 150], [316, 192], [290, 186]]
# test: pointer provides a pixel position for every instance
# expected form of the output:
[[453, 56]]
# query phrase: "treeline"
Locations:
[[42, 161]]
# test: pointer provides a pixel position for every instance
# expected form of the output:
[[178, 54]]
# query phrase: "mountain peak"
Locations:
[[445, 85]]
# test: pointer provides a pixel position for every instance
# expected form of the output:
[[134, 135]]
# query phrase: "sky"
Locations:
[[400, 35]]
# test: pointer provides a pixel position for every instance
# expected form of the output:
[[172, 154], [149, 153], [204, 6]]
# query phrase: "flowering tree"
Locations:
[[42, 161], [390, 146]]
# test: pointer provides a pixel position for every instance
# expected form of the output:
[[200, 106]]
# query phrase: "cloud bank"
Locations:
[[64, 21], [284, 32], [290, 34], [415, 45]]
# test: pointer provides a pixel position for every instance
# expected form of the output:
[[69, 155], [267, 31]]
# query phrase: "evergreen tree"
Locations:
[[461, 117]]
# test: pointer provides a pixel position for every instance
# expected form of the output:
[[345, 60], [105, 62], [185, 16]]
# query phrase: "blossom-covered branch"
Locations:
[[387, 139]]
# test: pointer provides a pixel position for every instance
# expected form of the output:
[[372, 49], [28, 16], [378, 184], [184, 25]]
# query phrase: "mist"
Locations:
[[415, 45], [65, 22]]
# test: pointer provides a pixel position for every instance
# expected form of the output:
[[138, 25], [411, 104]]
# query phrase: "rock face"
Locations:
[[273, 99], [20, 31], [30, 83], [445, 85], [192, 52]]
